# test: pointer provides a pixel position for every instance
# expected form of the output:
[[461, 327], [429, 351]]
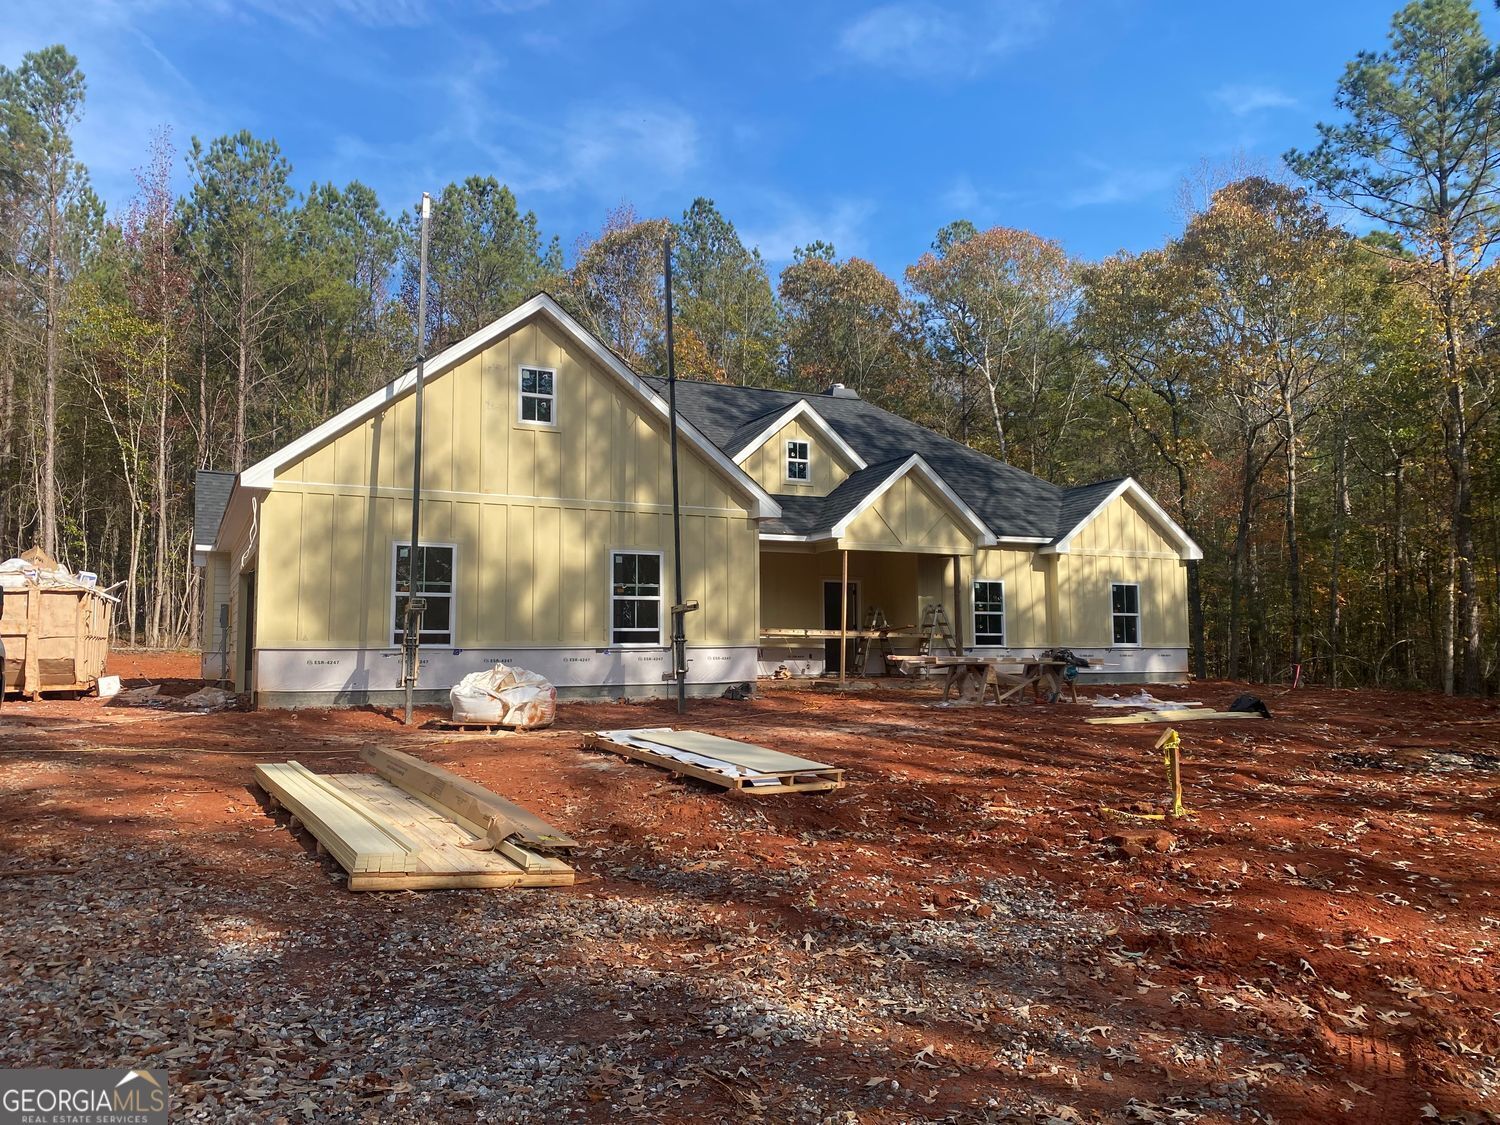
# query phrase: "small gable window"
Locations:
[[538, 395], [797, 461], [1125, 601]]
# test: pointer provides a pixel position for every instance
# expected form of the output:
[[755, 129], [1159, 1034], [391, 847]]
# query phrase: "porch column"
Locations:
[[958, 606], [844, 619]]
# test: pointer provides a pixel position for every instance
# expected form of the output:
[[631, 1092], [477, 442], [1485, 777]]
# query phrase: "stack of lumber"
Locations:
[[719, 761], [416, 826], [1181, 715]]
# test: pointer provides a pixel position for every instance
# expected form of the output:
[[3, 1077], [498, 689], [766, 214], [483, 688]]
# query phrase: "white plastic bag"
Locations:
[[512, 697]]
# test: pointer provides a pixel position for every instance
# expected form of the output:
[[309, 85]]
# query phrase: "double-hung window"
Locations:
[[797, 461], [635, 598], [435, 583], [539, 395], [989, 614], [1125, 605]]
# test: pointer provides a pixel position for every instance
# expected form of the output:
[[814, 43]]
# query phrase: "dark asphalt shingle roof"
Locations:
[[210, 497], [803, 515], [1010, 501], [1079, 501]]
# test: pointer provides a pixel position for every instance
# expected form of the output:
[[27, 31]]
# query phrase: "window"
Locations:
[[989, 613], [435, 583], [538, 397], [635, 598], [796, 460], [1125, 601]]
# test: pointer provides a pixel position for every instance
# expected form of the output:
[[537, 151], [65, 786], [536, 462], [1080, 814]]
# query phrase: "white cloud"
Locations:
[[963, 199], [790, 224], [599, 141], [1244, 99], [1121, 184], [917, 37]]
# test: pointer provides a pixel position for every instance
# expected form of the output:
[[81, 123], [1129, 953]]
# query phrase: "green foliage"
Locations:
[[485, 257], [998, 305], [846, 322], [616, 287], [1416, 151], [723, 297]]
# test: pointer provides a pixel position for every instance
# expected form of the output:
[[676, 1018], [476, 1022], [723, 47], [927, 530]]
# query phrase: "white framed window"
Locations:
[[435, 570], [1125, 606], [798, 461], [635, 601], [538, 396], [989, 614]]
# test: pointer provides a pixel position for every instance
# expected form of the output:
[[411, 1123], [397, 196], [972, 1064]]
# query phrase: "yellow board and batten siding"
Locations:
[[1121, 544], [1025, 577], [532, 512], [827, 467], [908, 516]]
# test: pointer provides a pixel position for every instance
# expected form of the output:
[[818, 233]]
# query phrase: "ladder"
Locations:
[[935, 630], [875, 622]]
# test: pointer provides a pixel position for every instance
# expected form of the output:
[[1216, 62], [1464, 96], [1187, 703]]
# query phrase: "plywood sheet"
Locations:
[[708, 766], [758, 759]]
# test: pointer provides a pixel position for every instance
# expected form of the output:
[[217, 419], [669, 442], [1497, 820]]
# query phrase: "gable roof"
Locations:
[[1014, 505], [262, 474], [756, 432], [824, 517], [1081, 506]]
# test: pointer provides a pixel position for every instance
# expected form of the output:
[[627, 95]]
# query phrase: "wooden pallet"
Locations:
[[390, 839], [741, 766]]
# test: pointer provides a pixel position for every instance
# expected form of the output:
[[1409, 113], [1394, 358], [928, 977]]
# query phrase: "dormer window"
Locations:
[[797, 461], [538, 397]]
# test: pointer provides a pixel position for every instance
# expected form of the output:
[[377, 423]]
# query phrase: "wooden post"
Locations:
[[1170, 742], [844, 619], [958, 607], [32, 675]]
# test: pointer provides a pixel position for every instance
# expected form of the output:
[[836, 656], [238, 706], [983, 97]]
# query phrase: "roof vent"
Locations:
[[838, 390]]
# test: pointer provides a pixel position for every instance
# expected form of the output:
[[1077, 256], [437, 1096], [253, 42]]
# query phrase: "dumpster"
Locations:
[[54, 626]]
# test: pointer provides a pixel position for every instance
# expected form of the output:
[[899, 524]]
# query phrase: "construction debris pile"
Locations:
[[54, 626]]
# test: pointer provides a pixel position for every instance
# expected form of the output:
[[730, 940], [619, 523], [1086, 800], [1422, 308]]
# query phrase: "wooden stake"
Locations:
[[1172, 743]]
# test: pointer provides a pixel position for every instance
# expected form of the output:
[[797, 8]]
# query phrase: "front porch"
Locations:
[[864, 604]]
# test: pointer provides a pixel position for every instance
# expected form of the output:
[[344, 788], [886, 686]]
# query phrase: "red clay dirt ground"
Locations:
[[950, 938]]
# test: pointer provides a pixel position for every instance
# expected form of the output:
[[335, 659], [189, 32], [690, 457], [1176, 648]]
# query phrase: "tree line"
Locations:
[[1313, 405]]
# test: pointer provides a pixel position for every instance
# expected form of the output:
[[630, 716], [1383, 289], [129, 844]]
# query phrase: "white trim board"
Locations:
[[262, 474], [815, 421], [1187, 549]]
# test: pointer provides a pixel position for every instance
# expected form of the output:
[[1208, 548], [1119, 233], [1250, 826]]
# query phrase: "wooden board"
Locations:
[[338, 820], [834, 634], [355, 815], [647, 745], [1189, 715], [502, 819]]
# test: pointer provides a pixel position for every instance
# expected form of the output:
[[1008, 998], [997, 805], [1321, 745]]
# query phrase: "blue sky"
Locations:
[[866, 124]]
